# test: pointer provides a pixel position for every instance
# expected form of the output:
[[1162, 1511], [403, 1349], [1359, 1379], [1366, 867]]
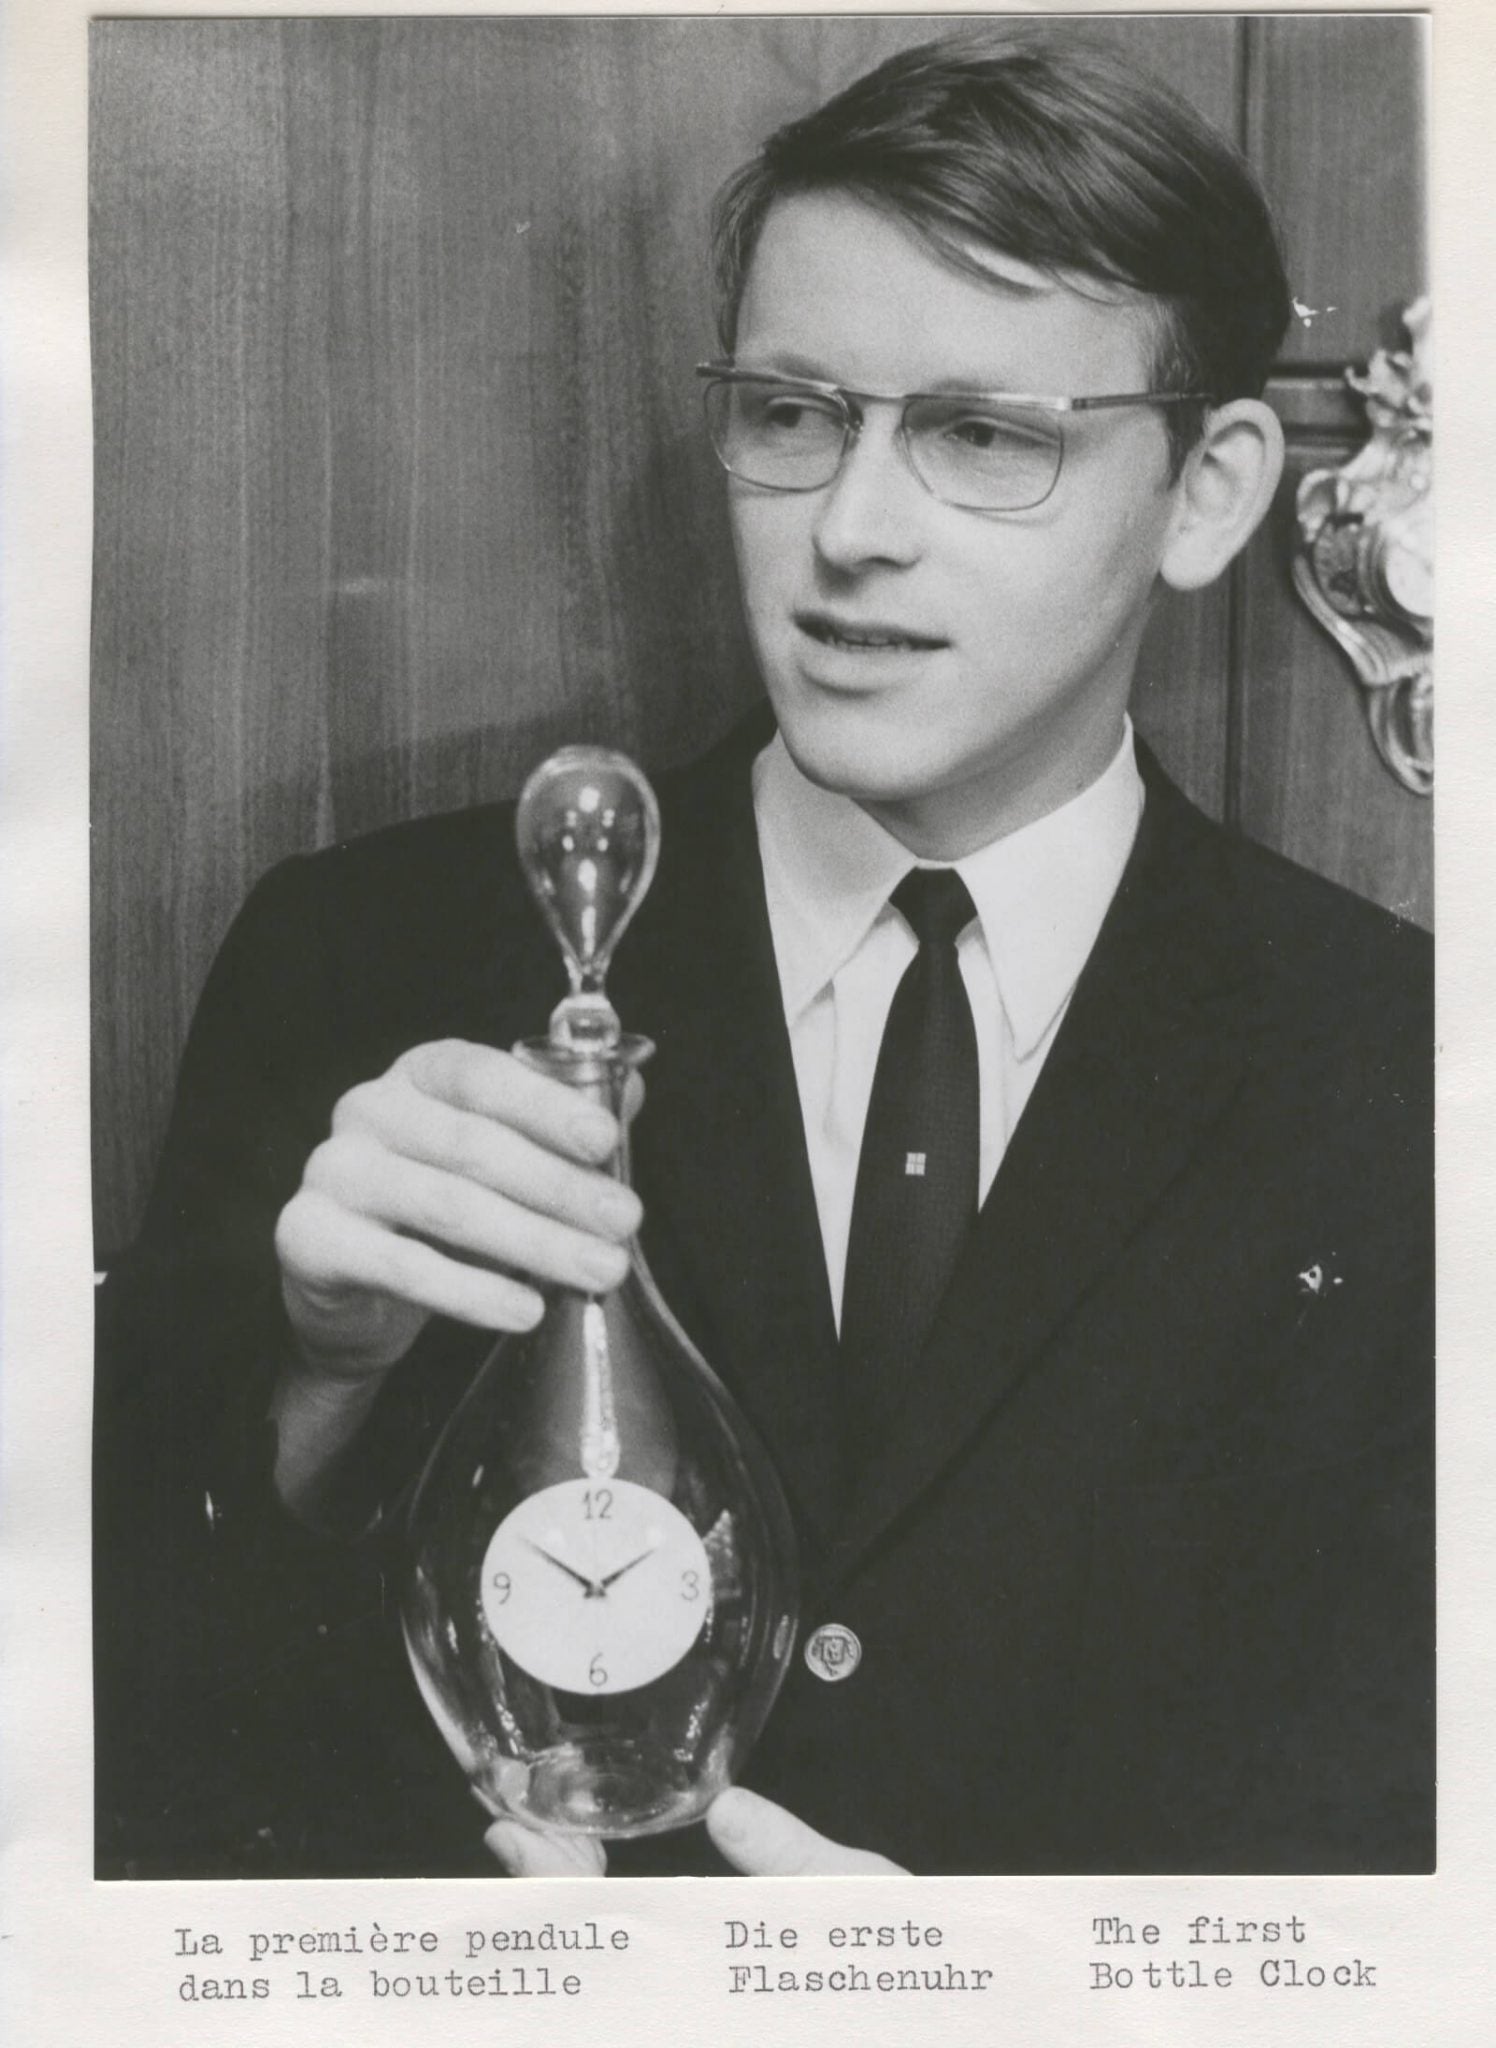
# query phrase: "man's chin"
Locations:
[[844, 770], [848, 752]]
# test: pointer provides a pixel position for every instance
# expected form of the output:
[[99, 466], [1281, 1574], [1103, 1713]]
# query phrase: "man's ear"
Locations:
[[1226, 486]]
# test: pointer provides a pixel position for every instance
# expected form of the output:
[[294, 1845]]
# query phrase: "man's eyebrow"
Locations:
[[779, 362], [788, 363]]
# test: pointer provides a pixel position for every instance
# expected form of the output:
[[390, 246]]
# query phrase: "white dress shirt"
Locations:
[[1040, 893]]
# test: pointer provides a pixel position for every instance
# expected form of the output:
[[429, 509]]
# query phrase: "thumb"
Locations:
[[760, 1839], [534, 1852]]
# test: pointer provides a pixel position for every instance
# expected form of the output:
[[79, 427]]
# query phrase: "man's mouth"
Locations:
[[864, 637]]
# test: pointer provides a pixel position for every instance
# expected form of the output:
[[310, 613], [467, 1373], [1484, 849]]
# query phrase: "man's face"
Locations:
[[958, 673]]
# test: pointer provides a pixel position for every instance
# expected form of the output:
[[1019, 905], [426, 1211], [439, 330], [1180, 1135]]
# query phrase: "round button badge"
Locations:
[[833, 1652]]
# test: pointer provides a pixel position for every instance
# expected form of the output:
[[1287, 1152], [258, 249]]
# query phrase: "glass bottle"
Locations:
[[602, 1595]]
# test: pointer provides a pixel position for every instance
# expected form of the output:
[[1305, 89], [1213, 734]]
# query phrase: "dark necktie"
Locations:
[[917, 1173]]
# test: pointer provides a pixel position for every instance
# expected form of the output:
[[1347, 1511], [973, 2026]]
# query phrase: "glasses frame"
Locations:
[[848, 403]]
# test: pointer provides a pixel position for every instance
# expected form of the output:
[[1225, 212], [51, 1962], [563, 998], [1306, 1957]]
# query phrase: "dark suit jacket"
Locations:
[[1143, 1580]]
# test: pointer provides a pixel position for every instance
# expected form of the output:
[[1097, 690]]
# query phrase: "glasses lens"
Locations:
[[991, 458], [777, 434]]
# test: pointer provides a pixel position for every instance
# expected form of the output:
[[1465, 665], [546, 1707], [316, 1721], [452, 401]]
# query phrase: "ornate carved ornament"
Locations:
[[1364, 559]]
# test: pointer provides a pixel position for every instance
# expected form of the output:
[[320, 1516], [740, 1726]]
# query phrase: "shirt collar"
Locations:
[[1041, 893]]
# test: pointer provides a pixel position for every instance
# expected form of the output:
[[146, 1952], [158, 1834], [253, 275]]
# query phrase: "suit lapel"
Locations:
[[1150, 1052], [720, 1160]]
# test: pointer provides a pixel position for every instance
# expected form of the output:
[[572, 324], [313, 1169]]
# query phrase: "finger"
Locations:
[[492, 1155], [760, 1839], [495, 1084], [457, 1215], [529, 1852], [327, 1253]]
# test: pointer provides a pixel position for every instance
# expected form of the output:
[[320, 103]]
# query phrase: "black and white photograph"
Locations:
[[762, 885]]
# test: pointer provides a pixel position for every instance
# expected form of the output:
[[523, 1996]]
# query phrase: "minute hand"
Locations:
[[613, 1577]]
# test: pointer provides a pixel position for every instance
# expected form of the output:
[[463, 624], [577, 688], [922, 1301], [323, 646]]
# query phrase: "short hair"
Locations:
[[1069, 159]]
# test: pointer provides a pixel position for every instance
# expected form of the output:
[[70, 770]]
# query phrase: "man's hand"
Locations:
[[447, 1186], [758, 1838], [533, 1852]]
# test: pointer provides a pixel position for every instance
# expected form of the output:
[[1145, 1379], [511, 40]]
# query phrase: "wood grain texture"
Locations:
[[210, 747], [400, 478], [1335, 132]]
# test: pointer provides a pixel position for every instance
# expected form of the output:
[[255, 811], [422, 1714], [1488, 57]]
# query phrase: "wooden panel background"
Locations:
[[399, 479]]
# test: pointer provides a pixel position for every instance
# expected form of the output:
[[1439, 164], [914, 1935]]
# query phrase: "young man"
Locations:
[[1130, 1521]]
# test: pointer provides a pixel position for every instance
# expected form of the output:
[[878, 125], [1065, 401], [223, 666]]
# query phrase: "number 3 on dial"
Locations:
[[596, 1586]]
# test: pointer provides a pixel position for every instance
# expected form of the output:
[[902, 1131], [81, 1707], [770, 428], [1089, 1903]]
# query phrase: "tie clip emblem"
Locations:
[[833, 1652], [914, 1163]]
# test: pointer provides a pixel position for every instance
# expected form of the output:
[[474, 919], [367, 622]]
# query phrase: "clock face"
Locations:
[[596, 1585]]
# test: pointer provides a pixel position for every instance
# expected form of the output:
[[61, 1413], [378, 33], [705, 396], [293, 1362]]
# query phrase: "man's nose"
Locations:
[[875, 508]]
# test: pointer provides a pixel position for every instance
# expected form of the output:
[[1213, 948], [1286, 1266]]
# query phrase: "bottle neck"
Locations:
[[602, 1076]]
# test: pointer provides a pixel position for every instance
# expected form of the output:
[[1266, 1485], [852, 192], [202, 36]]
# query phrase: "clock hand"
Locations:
[[603, 1584], [594, 1589]]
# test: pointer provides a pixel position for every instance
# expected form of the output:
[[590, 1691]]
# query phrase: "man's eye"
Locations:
[[788, 413], [982, 433]]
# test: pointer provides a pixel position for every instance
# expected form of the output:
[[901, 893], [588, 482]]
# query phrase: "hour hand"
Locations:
[[593, 1588]]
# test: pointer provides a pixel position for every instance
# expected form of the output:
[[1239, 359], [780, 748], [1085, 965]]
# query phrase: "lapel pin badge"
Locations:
[[833, 1652]]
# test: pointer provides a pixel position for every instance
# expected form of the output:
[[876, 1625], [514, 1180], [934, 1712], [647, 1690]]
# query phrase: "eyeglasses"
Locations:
[[994, 451]]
